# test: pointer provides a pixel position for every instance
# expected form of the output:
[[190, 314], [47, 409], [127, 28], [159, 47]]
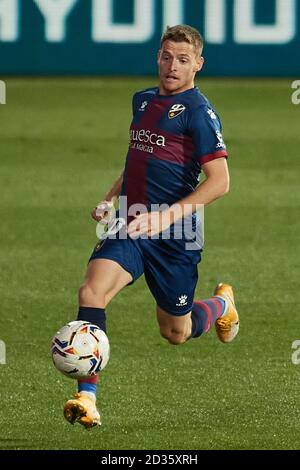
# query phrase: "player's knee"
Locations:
[[90, 295], [174, 337]]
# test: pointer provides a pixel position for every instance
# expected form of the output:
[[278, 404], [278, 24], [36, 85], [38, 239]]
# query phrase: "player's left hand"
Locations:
[[150, 223]]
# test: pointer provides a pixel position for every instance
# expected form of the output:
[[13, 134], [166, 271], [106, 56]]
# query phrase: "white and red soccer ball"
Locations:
[[80, 350]]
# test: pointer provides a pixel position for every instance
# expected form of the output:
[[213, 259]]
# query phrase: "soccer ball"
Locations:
[[80, 350]]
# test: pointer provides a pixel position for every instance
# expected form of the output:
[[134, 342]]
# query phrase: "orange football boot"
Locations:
[[227, 326], [82, 409]]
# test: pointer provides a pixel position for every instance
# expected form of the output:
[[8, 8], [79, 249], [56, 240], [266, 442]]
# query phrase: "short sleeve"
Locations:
[[206, 132], [135, 100]]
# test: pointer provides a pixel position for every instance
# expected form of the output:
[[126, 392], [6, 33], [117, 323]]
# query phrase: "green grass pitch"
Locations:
[[62, 143]]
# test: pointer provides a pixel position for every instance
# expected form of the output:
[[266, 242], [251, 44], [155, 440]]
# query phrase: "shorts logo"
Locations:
[[175, 110], [182, 301]]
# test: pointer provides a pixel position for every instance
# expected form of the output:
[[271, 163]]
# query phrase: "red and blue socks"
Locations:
[[205, 313], [97, 317]]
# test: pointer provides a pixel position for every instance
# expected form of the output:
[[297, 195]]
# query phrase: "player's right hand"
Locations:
[[103, 212]]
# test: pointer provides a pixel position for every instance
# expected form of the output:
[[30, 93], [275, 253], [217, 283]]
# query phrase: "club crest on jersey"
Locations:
[[175, 110]]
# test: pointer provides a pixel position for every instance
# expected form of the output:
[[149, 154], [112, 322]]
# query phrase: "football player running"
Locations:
[[174, 135]]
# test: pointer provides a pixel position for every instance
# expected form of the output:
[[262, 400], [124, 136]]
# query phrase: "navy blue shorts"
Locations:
[[170, 270]]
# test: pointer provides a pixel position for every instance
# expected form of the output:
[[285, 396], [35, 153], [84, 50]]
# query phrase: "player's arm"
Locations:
[[213, 187], [101, 211], [115, 190], [206, 131]]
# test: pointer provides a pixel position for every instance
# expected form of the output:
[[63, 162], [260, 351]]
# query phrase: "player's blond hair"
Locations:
[[184, 33]]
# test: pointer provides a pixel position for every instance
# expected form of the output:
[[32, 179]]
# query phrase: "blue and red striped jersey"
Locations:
[[170, 138]]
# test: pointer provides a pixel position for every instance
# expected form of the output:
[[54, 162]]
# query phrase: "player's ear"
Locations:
[[199, 64], [158, 55]]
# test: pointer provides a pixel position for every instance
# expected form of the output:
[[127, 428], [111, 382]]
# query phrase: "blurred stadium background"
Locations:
[[70, 68]]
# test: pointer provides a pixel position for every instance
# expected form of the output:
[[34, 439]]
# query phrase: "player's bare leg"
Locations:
[[176, 329], [104, 279]]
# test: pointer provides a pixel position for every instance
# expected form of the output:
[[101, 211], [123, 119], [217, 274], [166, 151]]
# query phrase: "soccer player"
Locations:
[[174, 135]]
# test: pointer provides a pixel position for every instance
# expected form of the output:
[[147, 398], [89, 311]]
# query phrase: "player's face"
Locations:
[[178, 64]]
